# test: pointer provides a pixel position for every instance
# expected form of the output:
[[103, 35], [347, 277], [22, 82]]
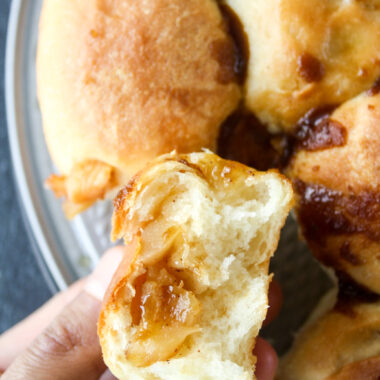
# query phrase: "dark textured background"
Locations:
[[22, 286]]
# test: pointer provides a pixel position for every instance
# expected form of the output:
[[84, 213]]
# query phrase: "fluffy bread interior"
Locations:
[[202, 229]]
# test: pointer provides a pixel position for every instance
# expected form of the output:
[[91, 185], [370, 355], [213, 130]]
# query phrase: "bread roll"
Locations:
[[191, 294], [336, 172], [342, 345], [120, 82], [368, 369], [307, 54]]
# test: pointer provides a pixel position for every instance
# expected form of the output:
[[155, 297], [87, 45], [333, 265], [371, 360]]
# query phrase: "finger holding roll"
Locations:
[[191, 295]]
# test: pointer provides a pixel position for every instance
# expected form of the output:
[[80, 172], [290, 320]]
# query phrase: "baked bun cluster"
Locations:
[[121, 82], [190, 296], [287, 83]]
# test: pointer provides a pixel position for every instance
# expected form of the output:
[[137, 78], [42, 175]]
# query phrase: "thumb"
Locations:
[[69, 348]]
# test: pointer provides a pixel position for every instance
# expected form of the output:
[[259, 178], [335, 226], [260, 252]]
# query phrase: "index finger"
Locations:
[[275, 300], [18, 338]]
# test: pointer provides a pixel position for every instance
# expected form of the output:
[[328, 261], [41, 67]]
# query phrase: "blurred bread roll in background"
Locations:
[[121, 82], [336, 173], [307, 54], [191, 294], [343, 344]]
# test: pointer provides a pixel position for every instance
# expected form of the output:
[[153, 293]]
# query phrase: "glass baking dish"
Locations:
[[70, 250]]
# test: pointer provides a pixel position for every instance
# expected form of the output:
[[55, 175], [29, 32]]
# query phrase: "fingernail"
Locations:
[[267, 360], [99, 280]]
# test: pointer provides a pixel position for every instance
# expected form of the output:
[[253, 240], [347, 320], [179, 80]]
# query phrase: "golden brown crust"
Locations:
[[127, 81], [368, 369], [341, 342], [209, 169]]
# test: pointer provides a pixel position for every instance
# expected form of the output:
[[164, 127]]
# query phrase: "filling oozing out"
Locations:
[[163, 314]]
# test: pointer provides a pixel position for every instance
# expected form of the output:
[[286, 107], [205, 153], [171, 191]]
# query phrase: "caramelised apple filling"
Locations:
[[163, 314], [87, 182]]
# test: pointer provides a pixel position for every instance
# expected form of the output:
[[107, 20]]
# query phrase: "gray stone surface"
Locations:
[[22, 286]]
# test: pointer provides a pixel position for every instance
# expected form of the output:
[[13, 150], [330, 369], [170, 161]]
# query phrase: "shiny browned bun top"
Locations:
[[121, 82], [336, 173]]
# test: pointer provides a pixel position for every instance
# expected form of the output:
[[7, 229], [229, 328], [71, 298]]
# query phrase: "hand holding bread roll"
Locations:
[[190, 299]]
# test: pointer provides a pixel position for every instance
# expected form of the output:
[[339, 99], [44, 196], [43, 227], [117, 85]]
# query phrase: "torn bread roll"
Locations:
[[191, 294], [342, 344], [121, 82]]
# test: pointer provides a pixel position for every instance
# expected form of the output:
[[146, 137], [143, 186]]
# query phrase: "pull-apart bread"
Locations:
[[190, 296], [121, 82]]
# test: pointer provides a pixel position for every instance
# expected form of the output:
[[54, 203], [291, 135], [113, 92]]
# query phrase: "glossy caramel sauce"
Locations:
[[136, 310], [163, 312], [224, 52], [310, 68], [350, 294], [245, 139], [317, 131], [160, 298], [323, 212], [192, 166], [347, 255], [375, 89], [314, 131], [232, 53]]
